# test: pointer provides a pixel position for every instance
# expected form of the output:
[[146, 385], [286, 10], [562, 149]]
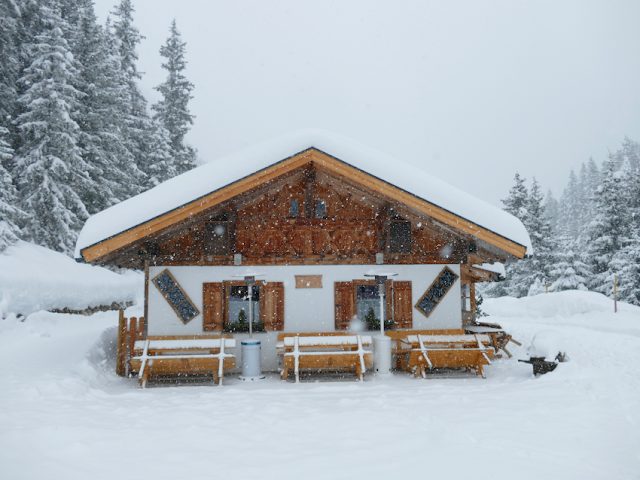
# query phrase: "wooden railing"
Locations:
[[129, 330]]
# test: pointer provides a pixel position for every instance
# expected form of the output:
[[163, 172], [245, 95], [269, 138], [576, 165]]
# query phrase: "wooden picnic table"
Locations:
[[499, 338], [187, 355], [324, 351]]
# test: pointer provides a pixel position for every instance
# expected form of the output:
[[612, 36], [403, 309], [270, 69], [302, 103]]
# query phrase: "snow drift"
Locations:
[[35, 278]]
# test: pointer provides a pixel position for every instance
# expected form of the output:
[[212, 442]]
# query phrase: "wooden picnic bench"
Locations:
[[324, 352], [402, 350], [499, 338], [183, 355], [448, 351]]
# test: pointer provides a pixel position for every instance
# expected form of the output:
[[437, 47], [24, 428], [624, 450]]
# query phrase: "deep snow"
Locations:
[[35, 278], [65, 414]]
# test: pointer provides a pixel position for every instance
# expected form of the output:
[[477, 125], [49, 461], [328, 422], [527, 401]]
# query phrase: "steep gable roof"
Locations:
[[214, 182]]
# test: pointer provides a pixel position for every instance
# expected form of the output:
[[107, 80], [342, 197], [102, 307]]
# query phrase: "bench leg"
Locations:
[[285, 374], [216, 377], [359, 371], [480, 370], [507, 352], [145, 377]]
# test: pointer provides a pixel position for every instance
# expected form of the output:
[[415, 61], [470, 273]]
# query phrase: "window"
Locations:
[[294, 209], [321, 209], [400, 237], [436, 291], [465, 293], [360, 299], [368, 306], [226, 306], [216, 238], [238, 309], [173, 293]]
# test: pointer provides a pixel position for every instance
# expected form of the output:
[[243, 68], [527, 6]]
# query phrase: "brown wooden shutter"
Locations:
[[344, 304], [272, 305], [213, 303], [402, 304]]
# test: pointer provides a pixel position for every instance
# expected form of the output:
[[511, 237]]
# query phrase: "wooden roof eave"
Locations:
[[322, 161]]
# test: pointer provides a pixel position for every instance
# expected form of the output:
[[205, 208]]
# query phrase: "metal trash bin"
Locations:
[[251, 364]]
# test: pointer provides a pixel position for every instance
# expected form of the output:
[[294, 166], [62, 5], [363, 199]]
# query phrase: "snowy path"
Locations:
[[65, 415]]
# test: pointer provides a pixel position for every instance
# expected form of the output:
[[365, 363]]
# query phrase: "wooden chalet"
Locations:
[[313, 213]]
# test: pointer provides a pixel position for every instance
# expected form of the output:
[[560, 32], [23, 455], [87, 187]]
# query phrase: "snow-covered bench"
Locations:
[[402, 350], [499, 338], [448, 351], [323, 352], [183, 355]]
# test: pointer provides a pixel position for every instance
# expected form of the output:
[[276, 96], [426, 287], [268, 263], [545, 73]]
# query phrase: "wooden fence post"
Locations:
[[121, 346]]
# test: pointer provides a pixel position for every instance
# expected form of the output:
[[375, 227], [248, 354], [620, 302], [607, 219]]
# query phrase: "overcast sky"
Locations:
[[472, 92]]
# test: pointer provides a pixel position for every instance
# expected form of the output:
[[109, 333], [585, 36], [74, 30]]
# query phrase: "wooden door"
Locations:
[[213, 306]]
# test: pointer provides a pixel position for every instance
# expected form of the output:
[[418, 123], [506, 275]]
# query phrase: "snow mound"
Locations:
[[547, 344], [558, 304], [218, 174], [35, 278]]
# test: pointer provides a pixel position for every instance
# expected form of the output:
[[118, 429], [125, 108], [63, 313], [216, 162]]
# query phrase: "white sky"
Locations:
[[470, 91]]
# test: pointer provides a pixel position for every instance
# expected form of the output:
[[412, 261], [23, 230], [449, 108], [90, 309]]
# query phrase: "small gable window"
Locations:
[[321, 209], [400, 237], [216, 238], [294, 209]]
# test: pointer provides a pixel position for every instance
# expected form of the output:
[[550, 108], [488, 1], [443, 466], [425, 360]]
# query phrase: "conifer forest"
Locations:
[[77, 136]]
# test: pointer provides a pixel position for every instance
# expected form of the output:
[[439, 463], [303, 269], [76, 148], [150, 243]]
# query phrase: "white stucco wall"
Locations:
[[306, 309]]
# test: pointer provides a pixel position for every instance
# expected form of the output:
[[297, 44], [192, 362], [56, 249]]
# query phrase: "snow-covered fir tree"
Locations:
[[49, 167], [172, 111], [99, 119], [10, 64], [10, 214], [137, 128], [570, 272], [607, 231], [162, 165]]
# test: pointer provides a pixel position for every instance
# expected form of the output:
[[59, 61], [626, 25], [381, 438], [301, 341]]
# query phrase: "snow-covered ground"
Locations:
[[65, 414]]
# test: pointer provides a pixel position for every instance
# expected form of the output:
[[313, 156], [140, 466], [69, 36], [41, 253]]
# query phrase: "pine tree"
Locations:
[[10, 214], [172, 110], [99, 116], [49, 167], [137, 129], [516, 202], [10, 64], [537, 223], [570, 272], [608, 229], [571, 208]]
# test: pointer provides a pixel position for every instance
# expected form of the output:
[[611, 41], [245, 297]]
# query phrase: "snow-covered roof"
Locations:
[[213, 176], [496, 267]]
